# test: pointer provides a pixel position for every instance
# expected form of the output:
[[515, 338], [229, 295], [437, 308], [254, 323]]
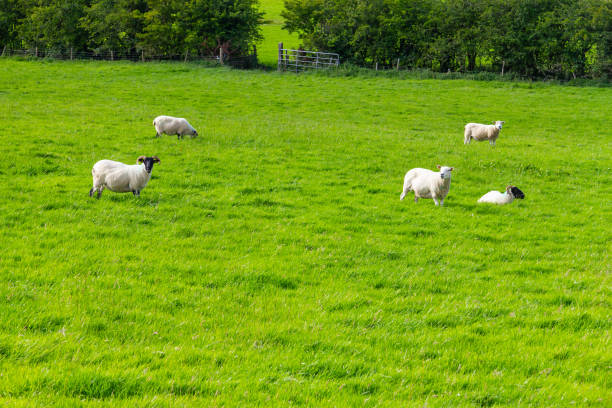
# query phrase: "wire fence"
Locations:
[[236, 61]]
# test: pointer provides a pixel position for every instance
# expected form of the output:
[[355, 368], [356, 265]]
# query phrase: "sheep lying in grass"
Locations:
[[495, 197], [173, 126], [120, 177], [481, 132], [428, 184]]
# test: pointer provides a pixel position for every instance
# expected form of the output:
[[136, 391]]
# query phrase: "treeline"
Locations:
[[156, 27], [531, 38]]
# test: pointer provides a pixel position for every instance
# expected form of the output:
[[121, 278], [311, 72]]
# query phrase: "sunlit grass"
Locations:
[[270, 262], [267, 49]]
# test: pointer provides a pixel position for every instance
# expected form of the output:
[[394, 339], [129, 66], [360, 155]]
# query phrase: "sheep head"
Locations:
[[499, 123], [517, 193], [148, 162], [445, 172]]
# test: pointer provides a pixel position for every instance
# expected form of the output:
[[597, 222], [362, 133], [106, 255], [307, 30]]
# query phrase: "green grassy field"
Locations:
[[273, 33], [269, 262]]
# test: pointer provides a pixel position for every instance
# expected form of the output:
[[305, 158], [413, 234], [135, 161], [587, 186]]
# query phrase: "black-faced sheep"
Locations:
[[495, 197], [120, 177]]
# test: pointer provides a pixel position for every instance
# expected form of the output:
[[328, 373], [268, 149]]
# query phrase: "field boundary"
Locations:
[[236, 61]]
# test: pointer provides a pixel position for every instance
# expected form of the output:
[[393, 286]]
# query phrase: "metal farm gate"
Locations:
[[300, 60]]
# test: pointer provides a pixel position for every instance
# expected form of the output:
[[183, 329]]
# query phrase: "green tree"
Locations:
[[161, 31], [11, 12], [114, 24], [325, 25], [599, 55], [54, 24], [201, 26]]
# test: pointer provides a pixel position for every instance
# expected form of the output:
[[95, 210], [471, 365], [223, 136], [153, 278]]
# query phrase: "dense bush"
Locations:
[[160, 27], [533, 38]]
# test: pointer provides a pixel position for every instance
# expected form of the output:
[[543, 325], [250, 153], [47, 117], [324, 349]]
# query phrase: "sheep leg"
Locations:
[[441, 202], [91, 192], [99, 193], [416, 199], [136, 193], [492, 142], [435, 200]]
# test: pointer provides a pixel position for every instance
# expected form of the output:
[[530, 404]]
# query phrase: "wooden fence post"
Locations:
[[36, 52], [377, 65], [71, 53], [221, 55], [3, 50], [503, 64], [397, 66], [280, 55], [112, 55]]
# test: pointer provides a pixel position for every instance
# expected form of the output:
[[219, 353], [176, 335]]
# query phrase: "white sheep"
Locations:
[[173, 126], [482, 132], [428, 184], [495, 197], [120, 177]]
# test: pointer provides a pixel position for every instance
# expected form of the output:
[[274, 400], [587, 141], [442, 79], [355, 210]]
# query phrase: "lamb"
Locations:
[[173, 126], [120, 177], [481, 132], [428, 184], [495, 197]]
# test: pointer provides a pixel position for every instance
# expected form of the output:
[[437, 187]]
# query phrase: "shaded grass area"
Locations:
[[270, 261]]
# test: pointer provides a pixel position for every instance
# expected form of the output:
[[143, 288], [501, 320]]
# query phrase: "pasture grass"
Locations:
[[269, 262], [273, 33]]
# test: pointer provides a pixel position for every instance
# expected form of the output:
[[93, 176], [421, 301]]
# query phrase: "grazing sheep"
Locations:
[[428, 184], [173, 126], [120, 177], [495, 197], [481, 132]]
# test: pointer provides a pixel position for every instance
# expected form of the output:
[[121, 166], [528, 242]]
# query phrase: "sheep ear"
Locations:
[[156, 159], [141, 159], [451, 169], [438, 166]]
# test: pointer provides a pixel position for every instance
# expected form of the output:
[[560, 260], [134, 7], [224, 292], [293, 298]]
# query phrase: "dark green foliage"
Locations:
[[201, 26], [114, 24], [53, 24], [532, 38], [11, 11], [129, 26]]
